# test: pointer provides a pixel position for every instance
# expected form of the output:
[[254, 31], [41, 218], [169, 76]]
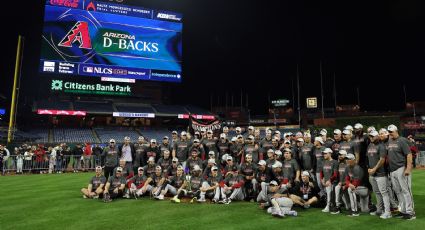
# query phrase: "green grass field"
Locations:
[[54, 202]]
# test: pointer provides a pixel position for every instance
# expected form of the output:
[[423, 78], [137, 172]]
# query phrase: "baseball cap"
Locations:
[[350, 156], [251, 137], [346, 132], [214, 168], [203, 130], [287, 150], [305, 173], [370, 129], [239, 136], [158, 167], [151, 159], [126, 138], [299, 134], [183, 133], [212, 161], [278, 152], [197, 133], [97, 167], [225, 128], [140, 169], [262, 162], [274, 183], [349, 127], [300, 139], [234, 139], [342, 152], [327, 150], [229, 158], [223, 135], [180, 167], [373, 133], [277, 132], [153, 141], [383, 131], [112, 141], [119, 169], [337, 132], [211, 153], [323, 132], [277, 164], [165, 138], [307, 135], [238, 129], [251, 127], [268, 131], [174, 132], [141, 138], [392, 128], [287, 142], [319, 139], [270, 151], [196, 168], [196, 141], [175, 159], [209, 131], [358, 126]]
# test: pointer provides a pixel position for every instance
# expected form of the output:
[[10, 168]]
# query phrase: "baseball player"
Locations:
[[96, 184], [400, 167], [306, 193], [328, 177], [173, 183], [248, 169], [191, 186], [354, 187], [280, 204], [115, 186], [231, 187], [211, 186], [140, 184]]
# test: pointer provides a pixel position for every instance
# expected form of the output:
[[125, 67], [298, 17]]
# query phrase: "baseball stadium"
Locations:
[[142, 114]]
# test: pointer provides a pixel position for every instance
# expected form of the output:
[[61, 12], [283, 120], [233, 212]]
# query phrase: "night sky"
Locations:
[[255, 46]]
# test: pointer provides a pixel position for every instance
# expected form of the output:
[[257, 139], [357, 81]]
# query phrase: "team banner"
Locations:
[[102, 39], [197, 125]]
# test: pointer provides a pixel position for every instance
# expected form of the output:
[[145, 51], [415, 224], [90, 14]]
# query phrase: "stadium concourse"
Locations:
[[338, 172]]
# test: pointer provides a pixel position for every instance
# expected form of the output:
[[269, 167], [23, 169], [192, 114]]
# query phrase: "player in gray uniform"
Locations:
[[231, 188], [348, 145], [173, 183], [110, 154], [290, 168], [165, 145], [95, 187], [181, 148], [193, 160], [211, 186], [115, 186], [305, 156], [376, 154], [191, 186], [165, 161], [400, 167], [336, 144], [252, 149], [140, 155], [280, 204], [248, 169], [318, 160], [354, 187], [210, 144], [339, 196], [158, 179], [328, 177], [383, 137], [140, 184]]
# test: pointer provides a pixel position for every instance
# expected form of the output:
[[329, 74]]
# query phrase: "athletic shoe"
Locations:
[[127, 196], [385, 215], [223, 201], [271, 210], [193, 200], [228, 201], [85, 197], [409, 217], [278, 214], [326, 209], [355, 213], [96, 197], [399, 215], [214, 201], [160, 197], [306, 206], [336, 210], [202, 200], [134, 194], [290, 213]]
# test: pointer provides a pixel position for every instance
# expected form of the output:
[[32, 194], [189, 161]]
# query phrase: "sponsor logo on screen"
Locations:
[[168, 16], [66, 3], [49, 66]]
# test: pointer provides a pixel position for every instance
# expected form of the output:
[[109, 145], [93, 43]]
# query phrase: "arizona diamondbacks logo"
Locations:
[[79, 33], [56, 85]]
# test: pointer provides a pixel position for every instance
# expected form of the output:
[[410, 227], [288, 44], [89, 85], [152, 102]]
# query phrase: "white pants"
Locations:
[[170, 189], [262, 196], [379, 186], [402, 186], [139, 191], [216, 191], [285, 204], [235, 194], [339, 198], [364, 199]]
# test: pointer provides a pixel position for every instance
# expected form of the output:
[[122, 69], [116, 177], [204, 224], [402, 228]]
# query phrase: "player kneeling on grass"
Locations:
[[231, 187], [115, 186], [211, 186], [171, 185], [280, 204], [306, 193], [139, 184], [95, 188], [191, 186], [353, 180]]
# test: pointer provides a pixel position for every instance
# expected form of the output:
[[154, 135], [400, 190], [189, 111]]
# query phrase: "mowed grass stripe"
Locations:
[[54, 202]]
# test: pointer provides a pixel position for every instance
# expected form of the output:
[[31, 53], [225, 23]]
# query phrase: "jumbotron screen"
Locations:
[[105, 39]]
